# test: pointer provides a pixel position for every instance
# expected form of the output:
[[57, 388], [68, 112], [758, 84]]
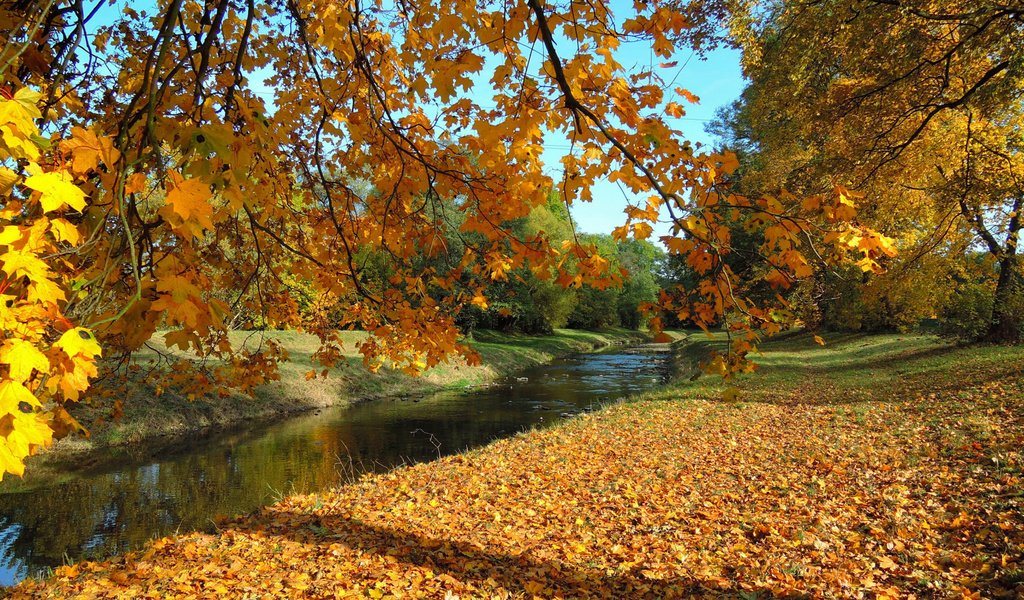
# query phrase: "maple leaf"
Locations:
[[16, 398], [690, 97], [78, 342], [22, 357], [72, 382], [9, 462], [45, 291], [19, 263], [137, 182], [64, 231], [190, 200], [7, 180], [56, 189], [642, 231], [88, 150], [10, 234], [22, 109]]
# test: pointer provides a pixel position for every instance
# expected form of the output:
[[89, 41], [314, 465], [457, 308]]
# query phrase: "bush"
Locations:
[[968, 314]]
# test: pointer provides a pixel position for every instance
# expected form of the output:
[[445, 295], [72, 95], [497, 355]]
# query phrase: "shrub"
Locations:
[[968, 313]]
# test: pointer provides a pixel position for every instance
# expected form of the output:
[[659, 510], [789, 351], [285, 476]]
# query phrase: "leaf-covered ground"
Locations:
[[874, 467]]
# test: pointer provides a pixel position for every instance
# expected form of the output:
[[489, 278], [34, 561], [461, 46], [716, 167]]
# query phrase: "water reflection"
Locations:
[[110, 512]]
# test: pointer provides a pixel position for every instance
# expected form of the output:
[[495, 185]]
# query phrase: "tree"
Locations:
[[623, 305], [528, 300], [924, 121], [145, 170], [639, 259], [597, 306]]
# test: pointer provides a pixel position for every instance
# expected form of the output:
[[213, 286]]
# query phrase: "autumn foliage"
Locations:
[[924, 121], [151, 181]]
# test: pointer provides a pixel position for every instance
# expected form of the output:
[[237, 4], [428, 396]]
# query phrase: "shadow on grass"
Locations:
[[519, 575], [855, 368], [894, 362]]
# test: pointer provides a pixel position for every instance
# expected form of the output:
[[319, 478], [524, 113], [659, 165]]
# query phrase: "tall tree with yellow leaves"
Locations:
[[914, 104]]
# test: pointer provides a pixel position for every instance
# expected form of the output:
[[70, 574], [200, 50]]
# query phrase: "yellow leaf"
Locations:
[[136, 183], [731, 394], [15, 398], [7, 180], [21, 110], [62, 423], [24, 263], [729, 162], [189, 199], [76, 380], [811, 203], [22, 357], [9, 234], [78, 341], [642, 231], [64, 231], [88, 150], [677, 245], [819, 340], [27, 430], [690, 97], [29, 101], [18, 144], [56, 190], [10, 463], [45, 291], [534, 587], [21, 427]]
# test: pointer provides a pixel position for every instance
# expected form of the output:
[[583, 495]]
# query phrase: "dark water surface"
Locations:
[[112, 511]]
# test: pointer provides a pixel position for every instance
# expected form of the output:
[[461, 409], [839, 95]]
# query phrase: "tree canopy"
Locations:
[[152, 180], [924, 122]]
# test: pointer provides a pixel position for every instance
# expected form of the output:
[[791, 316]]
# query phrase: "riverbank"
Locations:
[[152, 422], [876, 466]]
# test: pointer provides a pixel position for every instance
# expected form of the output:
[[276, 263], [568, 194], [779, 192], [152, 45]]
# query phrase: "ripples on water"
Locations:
[[115, 510]]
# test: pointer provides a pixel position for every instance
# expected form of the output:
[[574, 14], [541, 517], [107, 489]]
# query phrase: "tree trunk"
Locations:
[[1005, 326]]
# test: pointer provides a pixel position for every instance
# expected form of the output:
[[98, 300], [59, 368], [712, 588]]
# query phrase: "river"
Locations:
[[107, 512]]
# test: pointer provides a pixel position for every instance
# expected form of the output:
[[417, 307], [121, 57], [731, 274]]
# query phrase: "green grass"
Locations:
[[850, 368]]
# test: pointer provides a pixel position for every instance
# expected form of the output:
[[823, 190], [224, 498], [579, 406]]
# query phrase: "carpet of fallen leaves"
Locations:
[[798, 491]]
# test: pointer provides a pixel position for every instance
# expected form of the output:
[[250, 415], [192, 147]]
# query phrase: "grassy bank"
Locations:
[[875, 467], [151, 421]]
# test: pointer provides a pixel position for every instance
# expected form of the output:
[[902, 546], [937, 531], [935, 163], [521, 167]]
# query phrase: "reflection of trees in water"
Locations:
[[108, 513], [111, 513]]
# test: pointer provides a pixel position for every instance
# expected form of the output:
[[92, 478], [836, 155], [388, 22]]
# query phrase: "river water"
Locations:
[[99, 514]]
